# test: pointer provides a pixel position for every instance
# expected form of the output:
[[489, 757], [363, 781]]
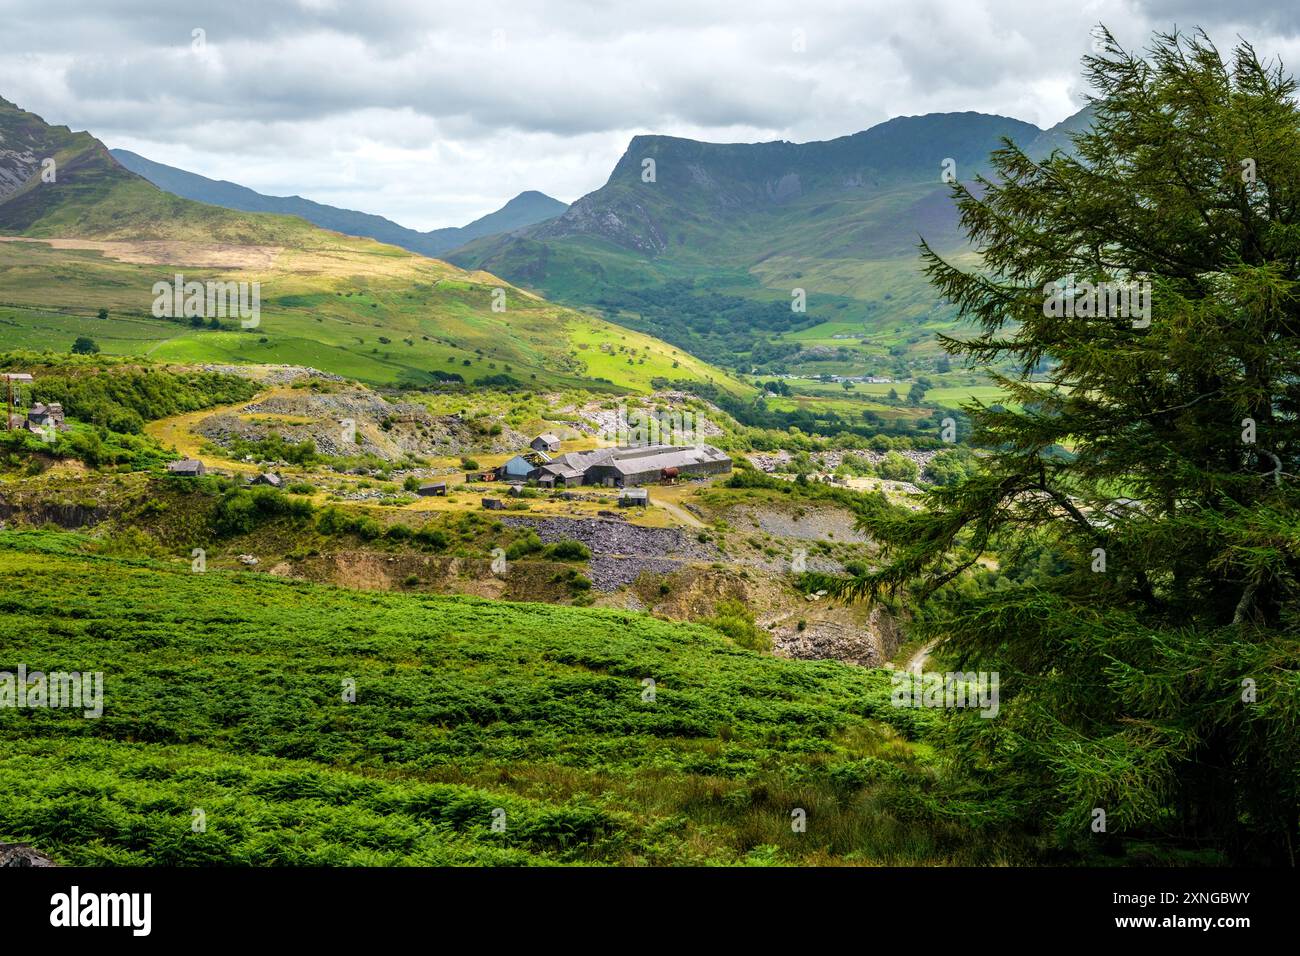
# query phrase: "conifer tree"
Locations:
[[1151, 669]]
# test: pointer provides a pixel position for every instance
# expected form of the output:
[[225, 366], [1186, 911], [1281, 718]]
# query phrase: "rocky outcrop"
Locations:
[[358, 421], [840, 637], [837, 640], [21, 855], [65, 514]]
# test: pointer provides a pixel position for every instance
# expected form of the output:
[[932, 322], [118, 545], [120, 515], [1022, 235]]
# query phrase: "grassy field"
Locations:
[[224, 693], [845, 405], [354, 309]]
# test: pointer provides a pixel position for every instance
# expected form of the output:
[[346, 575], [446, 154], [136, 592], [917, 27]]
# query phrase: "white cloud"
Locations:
[[412, 111]]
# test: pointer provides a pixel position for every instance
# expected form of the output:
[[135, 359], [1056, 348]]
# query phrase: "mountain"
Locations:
[[45, 169], [93, 235], [1059, 136], [708, 244], [526, 209]]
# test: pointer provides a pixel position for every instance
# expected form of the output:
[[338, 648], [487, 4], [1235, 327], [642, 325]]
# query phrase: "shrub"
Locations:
[[335, 521], [240, 510], [895, 467], [434, 538], [567, 551], [736, 621], [527, 543]]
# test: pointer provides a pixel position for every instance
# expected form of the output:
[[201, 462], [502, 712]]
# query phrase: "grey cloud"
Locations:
[[291, 94]]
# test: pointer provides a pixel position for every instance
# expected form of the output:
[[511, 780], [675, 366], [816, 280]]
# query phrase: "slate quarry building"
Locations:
[[628, 466]]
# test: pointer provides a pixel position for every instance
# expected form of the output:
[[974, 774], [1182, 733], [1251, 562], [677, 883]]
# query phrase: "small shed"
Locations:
[[188, 467], [634, 497], [42, 414], [268, 478], [493, 504], [433, 489], [547, 442]]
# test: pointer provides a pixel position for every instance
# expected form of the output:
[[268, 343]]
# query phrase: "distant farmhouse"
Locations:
[[624, 466], [547, 442], [41, 418], [189, 467]]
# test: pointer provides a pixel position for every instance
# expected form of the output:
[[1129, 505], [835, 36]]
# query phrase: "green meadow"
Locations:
[[224, 700], [348, 306]]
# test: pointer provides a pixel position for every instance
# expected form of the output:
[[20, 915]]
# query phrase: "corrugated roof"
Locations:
[[633, 459], [666, 456]]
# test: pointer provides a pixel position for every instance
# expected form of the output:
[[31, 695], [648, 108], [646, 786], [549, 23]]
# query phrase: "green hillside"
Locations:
[[341, 304], [709, 253], [223, 692]]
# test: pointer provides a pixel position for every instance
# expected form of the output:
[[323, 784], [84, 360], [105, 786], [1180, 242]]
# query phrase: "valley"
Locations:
[[755, 509]]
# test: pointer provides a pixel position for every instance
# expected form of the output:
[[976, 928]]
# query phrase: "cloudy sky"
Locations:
[[433, 112]]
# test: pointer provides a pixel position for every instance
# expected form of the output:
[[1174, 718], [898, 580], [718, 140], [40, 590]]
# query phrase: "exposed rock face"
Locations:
[[274, 374], [830, 460], [820, 640], [631, 224], [63, 514], [388, 430], [16, 167], [20, 855], [809, 524], [841, 639], [682, 415]]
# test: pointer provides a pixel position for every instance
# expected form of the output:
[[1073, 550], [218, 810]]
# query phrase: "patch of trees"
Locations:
[[810, 421], [275, 448], [711, 325], [240, 510], [504, 382], [123, 400]]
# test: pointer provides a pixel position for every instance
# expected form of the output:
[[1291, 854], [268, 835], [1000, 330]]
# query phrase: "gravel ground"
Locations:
[[619, 538], [609, 573]]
